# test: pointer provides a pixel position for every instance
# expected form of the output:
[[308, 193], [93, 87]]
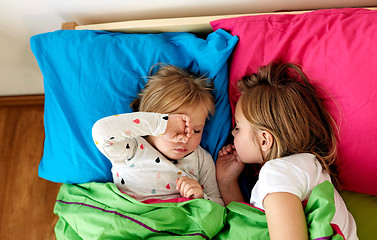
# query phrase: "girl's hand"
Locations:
[[189, 188], [228, 165], [228, 169], [179, 128]]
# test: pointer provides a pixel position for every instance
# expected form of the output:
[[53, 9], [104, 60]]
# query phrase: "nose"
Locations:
[[234, 132]]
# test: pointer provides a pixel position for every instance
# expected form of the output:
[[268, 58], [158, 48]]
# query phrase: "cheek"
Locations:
[[195, 141], [161, 143], [236, 141], [237, 145], [241, 146]]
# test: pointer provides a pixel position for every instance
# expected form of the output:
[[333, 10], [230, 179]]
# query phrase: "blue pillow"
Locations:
[[92, 74]]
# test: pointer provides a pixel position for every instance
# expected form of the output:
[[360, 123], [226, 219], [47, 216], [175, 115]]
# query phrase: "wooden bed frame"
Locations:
[[186, 24]]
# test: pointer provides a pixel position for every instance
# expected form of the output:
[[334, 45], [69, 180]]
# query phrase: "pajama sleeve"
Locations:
[[115, 135], [207, 178]]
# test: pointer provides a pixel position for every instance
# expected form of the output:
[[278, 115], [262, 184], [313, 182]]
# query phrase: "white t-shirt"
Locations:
[[299, 174], [142, 171]]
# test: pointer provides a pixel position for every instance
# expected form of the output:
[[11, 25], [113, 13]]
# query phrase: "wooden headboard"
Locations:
[[186, 24]]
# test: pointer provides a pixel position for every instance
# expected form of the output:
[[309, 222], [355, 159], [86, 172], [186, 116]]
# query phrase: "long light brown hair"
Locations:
[[280, 99], [171, 88]]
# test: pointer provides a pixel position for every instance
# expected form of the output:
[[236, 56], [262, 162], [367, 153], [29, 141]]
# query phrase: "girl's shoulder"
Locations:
[[302, 160], [299, 157], [297, 174], [299, 166]]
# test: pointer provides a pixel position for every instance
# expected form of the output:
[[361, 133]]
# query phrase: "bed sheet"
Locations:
[[101, 211]]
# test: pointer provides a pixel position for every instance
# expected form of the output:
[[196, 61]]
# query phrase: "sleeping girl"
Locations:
[[282, 125], [154, 151]]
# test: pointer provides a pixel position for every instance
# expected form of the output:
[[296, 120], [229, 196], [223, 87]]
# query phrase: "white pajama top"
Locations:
[[139, 169]]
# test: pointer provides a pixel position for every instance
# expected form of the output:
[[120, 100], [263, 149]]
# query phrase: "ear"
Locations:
[[266, 140]]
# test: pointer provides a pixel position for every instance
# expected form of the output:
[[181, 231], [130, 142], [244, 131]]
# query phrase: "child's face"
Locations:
[[175, 150], [246, 139]]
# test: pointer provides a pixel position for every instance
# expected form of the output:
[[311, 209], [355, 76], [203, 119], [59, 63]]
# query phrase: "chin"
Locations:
[[173, 156], [176, 156]]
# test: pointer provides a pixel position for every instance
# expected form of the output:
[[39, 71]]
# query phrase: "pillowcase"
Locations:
[[337, 49], [92, 74]]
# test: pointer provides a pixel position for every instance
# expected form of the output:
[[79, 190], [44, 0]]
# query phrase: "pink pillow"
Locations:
[[338, 50]]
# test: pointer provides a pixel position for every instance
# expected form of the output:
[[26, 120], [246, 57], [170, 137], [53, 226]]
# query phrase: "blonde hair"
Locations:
[[280, 100], [171, 88]]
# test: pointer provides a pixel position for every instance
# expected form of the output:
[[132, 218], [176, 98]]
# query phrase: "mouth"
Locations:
[[180, 150]]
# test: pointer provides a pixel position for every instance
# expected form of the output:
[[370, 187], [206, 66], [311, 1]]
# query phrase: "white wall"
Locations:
[[20, 19]]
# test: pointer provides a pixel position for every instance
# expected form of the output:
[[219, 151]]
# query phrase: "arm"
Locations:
[[228, 170], [129, 125], [114, 135], [285, 216]]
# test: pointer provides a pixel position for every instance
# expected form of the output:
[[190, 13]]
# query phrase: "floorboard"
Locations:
[[26, 201]]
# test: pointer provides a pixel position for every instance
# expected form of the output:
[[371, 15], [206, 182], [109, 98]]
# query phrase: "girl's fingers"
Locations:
[[193, 193], [184, 189], [221, 153], [178, 183], [183, 138], [188, 187], [188, 129], [226, 150], [179, 128]]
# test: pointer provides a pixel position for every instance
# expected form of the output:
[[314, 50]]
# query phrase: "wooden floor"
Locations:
[[26, 201]]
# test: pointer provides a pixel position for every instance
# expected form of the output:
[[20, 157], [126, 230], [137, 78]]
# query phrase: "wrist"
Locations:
[[227, 183], [227, 179], [230, 191]]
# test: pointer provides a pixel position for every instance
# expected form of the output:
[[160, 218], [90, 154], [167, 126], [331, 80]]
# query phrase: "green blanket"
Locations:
[[101, 211]]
